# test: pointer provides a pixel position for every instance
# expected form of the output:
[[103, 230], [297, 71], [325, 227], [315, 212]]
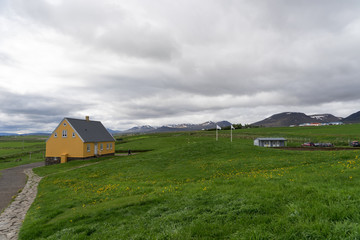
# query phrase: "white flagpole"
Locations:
[[231, 128], [217, 128]]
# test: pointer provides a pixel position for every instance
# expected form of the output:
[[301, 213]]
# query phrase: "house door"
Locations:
[[95, 149]]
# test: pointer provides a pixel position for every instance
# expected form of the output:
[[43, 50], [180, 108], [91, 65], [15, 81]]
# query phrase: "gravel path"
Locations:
[[11, 181]]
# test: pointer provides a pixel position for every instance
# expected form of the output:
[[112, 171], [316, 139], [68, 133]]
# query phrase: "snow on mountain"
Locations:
[[178, 127]]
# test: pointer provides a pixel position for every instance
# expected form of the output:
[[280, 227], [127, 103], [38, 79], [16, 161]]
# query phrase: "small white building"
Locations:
[[270, 142], [336, 123]]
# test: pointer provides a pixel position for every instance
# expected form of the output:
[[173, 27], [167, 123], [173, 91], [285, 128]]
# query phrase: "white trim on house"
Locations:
[[55, 129]]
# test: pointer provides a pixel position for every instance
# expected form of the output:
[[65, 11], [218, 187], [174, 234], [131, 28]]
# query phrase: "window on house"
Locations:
[[88, 147], [101, 146], [107, 146], [64, 123], [110, 145], [55, 134], [64, 133], [73, 134]]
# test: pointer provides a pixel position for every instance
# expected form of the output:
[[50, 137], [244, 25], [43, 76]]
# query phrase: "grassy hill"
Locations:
[[191, 187]]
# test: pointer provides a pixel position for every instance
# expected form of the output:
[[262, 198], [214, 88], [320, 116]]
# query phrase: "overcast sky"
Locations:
[[140, 62]]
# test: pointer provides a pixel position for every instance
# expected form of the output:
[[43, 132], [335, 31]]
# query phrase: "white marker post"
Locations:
[[231, 128], [217, 128]]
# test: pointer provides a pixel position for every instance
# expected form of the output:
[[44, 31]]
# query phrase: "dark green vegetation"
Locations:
[[19, 150], [192, 187]]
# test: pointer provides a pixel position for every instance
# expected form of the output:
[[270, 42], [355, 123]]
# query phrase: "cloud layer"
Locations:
[[163, 62]]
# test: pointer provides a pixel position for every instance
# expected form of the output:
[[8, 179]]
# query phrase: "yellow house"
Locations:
[[78, 139]]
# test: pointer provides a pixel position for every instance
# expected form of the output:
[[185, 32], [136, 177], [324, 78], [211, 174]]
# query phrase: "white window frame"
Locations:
[[111, 146], [107, 146], [88, 147], [64, 124], [55, 135], [73, 134], [64, 133], [101, 147]]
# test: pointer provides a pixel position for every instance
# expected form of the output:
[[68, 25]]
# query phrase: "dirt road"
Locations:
[[11, 181]]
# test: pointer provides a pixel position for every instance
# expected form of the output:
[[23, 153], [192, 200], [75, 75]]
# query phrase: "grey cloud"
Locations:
[[21, 126], [142, 41], [155, 109], [6, 59], [119, 87], [189, 58], [35, 107], [299, 17], [3, 6], [105, 26], [34, 113], [293, 85]]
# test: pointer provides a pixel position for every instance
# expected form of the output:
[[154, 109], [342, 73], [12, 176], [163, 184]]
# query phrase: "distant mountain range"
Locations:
[[177, 127], [149, 129], [5, 134], [353, 118], [286, 119], [2, 134]]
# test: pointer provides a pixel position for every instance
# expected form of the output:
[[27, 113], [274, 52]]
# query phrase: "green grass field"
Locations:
[[15, 150], [192, 187]]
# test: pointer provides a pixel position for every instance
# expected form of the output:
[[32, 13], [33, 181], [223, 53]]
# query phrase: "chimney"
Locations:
[[87, 118]]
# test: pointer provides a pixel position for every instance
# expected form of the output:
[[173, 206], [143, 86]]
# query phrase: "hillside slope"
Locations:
[[286, 119], [353, 118], [193, 187]]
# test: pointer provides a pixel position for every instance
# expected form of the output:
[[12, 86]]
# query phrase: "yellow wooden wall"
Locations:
[[106, 148], [57, 146]]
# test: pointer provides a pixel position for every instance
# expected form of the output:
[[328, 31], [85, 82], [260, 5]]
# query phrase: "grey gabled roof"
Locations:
[[90, 131]]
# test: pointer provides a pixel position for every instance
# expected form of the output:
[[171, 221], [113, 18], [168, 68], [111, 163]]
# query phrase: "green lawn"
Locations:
[[192, 187], [20, 150]]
